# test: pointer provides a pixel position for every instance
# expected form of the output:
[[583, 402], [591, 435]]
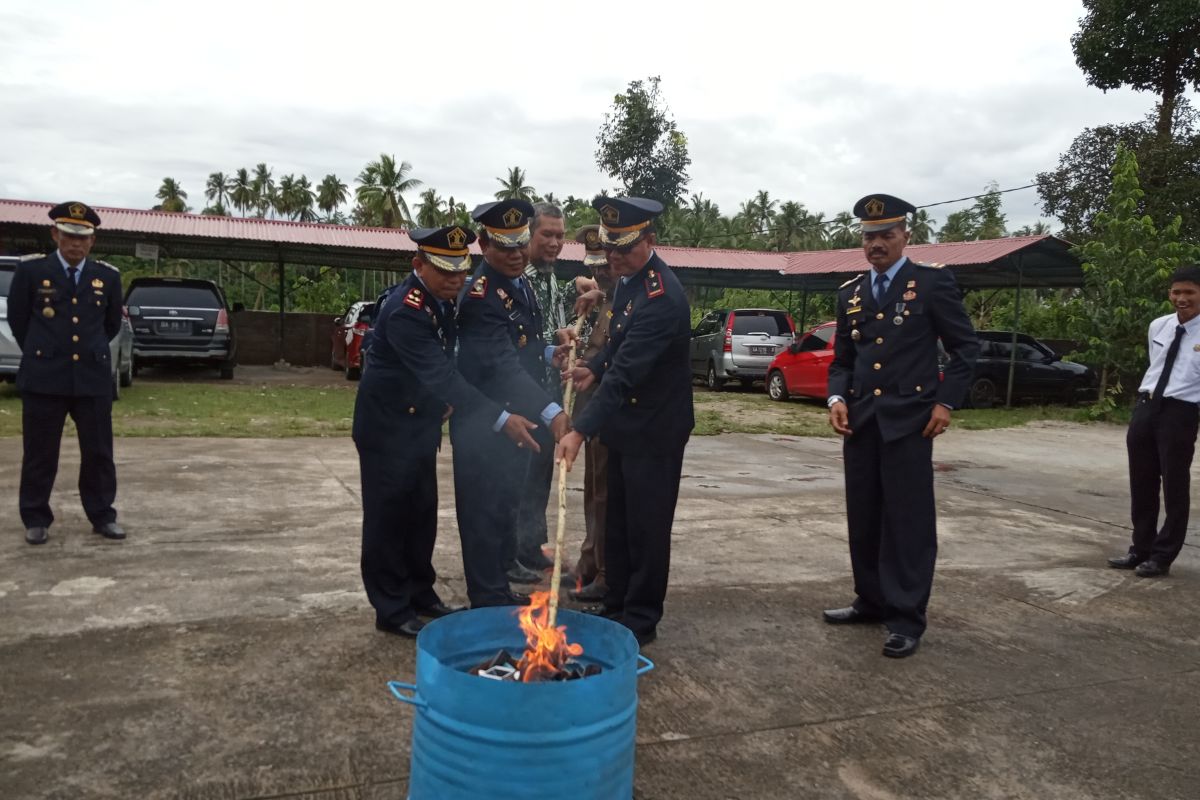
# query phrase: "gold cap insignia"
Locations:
[[77, 210], [512, 217], [456, 238], [610, 215], [593, 239], [874, 207], [45, 281]]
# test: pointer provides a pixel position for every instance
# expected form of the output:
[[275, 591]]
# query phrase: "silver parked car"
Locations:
[[121, 345], [739, 344]]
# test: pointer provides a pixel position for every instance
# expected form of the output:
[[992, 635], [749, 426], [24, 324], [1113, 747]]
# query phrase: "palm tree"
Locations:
[[241, 191], [514, 187], [215, 210], [217, 189], [764, 209], [921, 231], [263, 187], [331, 194], [172, 195], [786, 232], [429, 210], [457, 214], [382, 190], [303, 199], [286, 196], [846, 232]]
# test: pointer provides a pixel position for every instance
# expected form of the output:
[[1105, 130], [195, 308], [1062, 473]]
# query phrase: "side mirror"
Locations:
[[794, 348], [239, 307]]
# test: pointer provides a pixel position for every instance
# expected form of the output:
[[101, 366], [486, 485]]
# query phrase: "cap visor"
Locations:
[[448, 263], [874, 227], [78, 230], [592, 259]]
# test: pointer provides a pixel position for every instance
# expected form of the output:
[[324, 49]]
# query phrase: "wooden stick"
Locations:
[[568, 398]]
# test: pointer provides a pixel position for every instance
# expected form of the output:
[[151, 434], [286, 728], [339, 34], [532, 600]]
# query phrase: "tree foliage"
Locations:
[[1148, 45], [640, 145]]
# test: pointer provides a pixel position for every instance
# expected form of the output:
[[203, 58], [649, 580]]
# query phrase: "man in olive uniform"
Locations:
[[63, 310], [409, 387], [641, 409], [886, 399], [502, 353]]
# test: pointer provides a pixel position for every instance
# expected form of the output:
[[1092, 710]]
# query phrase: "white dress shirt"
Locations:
[[1184, 383]]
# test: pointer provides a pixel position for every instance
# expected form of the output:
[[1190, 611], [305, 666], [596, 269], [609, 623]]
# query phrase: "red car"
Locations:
[[347, 338], [803, 368]]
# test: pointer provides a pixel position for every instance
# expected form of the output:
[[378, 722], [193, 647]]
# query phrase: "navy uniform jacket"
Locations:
[[65, 354], [410, 377], [500, 350], [890, 370], [643, 403]]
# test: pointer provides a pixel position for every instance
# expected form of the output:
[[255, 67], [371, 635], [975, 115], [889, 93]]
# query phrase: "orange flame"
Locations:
[[547, 648]]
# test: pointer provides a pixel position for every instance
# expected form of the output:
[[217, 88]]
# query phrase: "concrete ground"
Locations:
[[226, 650]]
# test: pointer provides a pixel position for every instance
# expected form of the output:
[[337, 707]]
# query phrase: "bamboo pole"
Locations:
[[568, 398]]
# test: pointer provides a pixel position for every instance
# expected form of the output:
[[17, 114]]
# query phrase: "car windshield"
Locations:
[[767, 322], [172, 297], [6, 276]]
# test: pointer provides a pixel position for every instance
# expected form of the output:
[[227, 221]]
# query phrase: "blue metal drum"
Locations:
[[476, 738]]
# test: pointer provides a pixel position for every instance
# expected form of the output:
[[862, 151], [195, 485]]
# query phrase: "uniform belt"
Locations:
[[1146, 397]]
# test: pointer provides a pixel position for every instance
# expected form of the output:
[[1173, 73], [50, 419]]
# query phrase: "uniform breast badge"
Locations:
[[413, 298], [97, 283], [48, 312], [479, 288], [856, 334], [909, 295], [523, 340]]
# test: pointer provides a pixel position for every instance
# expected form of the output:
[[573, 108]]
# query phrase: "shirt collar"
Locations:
[[64, 263], [891, 271]]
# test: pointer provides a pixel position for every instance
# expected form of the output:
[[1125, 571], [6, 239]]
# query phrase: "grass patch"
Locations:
[[163, 409]]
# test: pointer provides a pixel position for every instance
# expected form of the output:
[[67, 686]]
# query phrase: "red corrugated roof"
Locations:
[[823, 262]]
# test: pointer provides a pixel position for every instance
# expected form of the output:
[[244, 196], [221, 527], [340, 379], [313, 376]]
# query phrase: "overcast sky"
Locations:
[[818, 103]]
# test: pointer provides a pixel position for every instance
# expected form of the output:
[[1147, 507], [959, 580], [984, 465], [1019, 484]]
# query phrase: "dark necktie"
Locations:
[[1165, 377], [72, 272], [880, 287]]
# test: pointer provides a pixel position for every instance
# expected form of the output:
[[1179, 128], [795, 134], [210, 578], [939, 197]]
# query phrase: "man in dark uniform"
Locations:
[[410, 386], [641, 409], [63, 310], [885, 398], [502, 353]]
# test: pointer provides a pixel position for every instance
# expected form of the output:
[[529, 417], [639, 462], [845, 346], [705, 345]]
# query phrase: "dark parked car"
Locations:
[[180, 321], [1039, 373], [347, 338], [739, 344]]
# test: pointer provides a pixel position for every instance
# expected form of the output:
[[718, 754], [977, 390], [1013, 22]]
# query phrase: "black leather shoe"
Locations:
[[439, 610], [519, 574], [409, 628], [1152, 569], [645, 637], [898, 645], [518, 599], [1127, 561], [848, 616], [110, 530], [592, 593], [37, 535], [535, 560]]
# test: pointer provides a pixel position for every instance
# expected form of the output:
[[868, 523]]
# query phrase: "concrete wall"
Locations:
[[306, 339]]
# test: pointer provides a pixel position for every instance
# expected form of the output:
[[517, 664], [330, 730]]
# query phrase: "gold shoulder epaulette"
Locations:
[[110, 266], [33, 257], [929, 265], [852, 280]]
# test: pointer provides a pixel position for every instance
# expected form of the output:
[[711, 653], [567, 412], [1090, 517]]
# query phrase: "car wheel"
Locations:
[[134, 369], [227, 372], [712, 381], [777, 386], [353, 373], [125, 374], [983, 393]]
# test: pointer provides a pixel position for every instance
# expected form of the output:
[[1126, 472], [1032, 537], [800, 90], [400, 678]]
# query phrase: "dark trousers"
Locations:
[[489, 474], [400, 500], [1160, 441], [43, 417], [531, 515], [591, 565], [893, 525], [642, 492]]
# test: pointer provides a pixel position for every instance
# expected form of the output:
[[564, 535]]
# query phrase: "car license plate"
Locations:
[[762, 350], [175, 326]]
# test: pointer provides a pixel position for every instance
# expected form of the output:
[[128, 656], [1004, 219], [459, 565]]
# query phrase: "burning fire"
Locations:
[[547, 648]]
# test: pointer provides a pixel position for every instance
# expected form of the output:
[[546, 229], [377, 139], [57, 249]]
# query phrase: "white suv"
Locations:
[[739, 344]]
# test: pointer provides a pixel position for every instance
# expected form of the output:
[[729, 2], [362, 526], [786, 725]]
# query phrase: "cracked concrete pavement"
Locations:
[[226, 650]]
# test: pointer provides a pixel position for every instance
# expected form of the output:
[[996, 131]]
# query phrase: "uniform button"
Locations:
[[74, 356], [75, 338], [412, 410], [633, 400], [878, 392], [75, 320], [878, 365], [918, 388], [879, 315], [39, 352], [520, 327], [74, 301], [879, 340]]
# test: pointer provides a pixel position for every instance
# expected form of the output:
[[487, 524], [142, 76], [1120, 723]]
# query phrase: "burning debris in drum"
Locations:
[[548, 655], [503, 667]]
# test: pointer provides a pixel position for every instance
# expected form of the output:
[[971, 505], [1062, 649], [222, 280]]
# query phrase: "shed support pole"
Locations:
[[1012, 358], [282, 297]]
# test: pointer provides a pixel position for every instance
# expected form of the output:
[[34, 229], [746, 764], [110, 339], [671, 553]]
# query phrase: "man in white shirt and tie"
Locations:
[[1162, 434]]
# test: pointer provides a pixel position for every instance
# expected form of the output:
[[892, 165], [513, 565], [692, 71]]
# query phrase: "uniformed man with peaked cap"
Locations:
[[409, 387], [63, 310], [501, 352], [641, 409], [887, 401]]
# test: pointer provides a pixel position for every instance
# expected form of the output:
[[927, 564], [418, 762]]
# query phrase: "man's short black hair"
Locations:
[[1188, 273]]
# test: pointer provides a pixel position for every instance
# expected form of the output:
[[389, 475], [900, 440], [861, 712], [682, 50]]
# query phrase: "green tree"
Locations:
[[1148, 45], [241, 191], [429, 211], [381, 193], [640, 145], [960, 226], [171, 197], [847, 233], [215, 210], [262, 187], [331, 193], [988, 213], [217, 189], [1038, 228], [514, 188], [1126, 269], [921, 227]]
